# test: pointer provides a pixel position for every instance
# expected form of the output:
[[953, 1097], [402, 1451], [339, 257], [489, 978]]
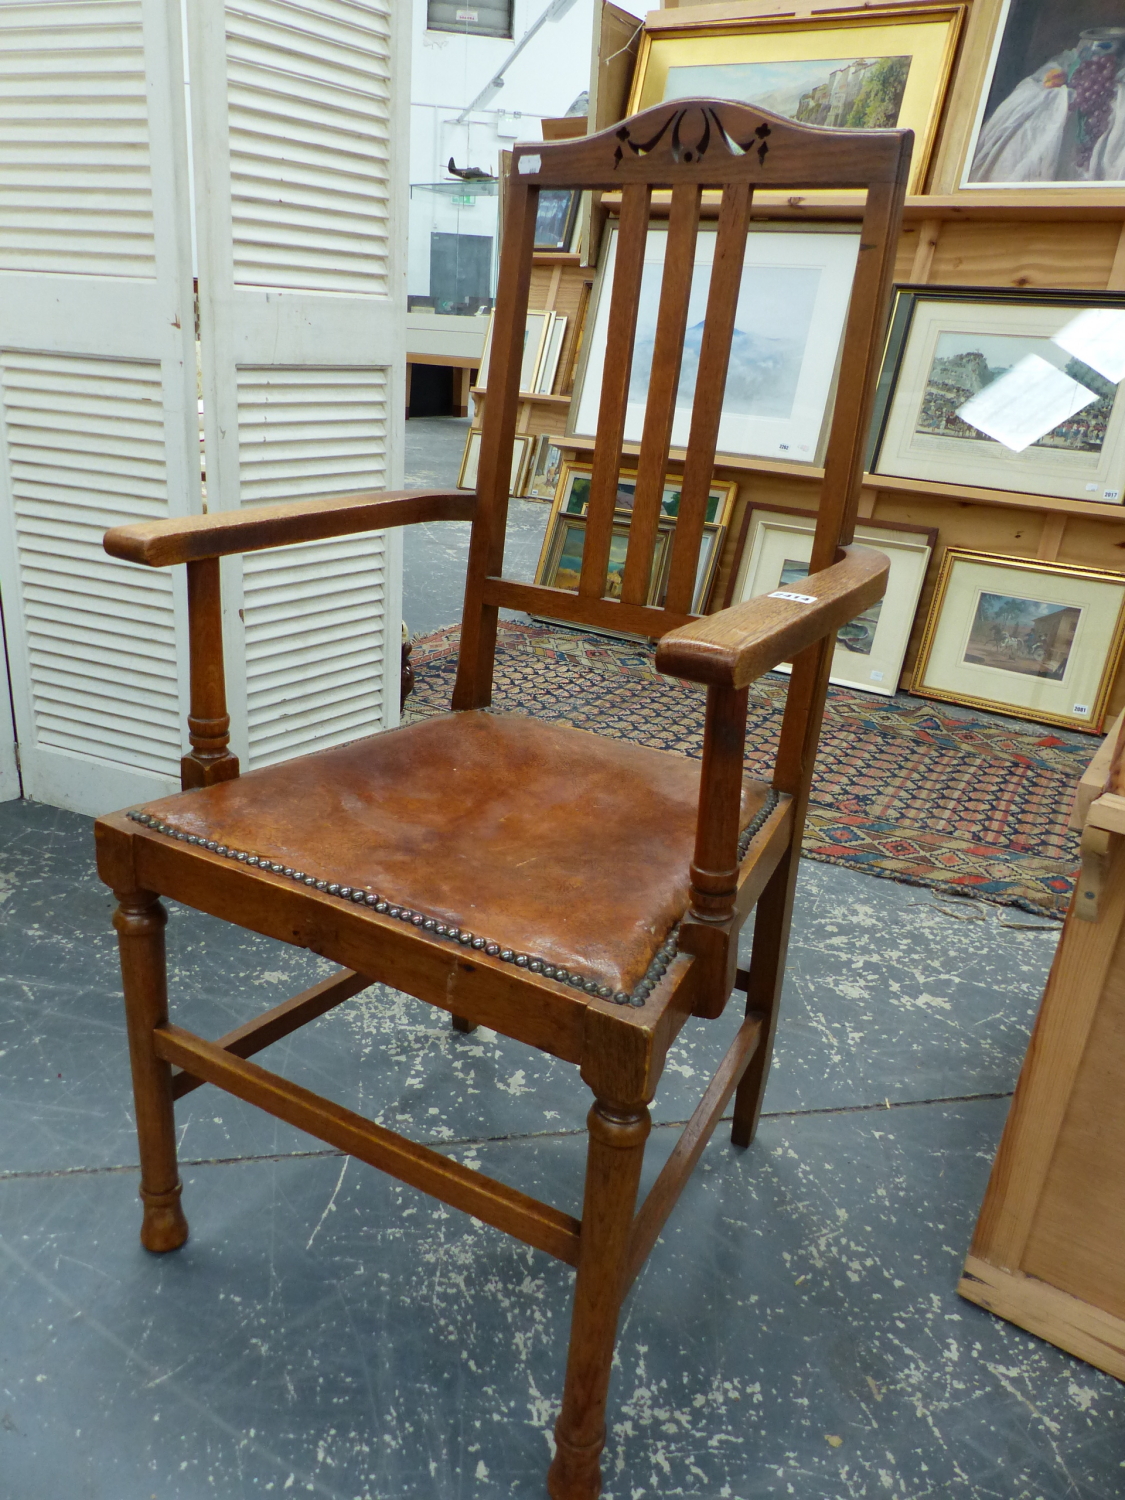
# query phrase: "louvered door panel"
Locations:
[[75, 169], [314, 614], [302, 304], [98, 419], [308, 93], [84, 442]]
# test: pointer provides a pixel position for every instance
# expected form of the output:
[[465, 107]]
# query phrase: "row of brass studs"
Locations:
[[652, 977], [385, 907]]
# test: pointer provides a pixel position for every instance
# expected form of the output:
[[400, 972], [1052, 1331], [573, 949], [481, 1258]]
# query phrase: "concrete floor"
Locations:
[[328, 1331]]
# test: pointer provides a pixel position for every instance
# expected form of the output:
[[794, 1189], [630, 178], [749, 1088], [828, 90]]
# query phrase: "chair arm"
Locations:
[[192, 538], [734, 647]]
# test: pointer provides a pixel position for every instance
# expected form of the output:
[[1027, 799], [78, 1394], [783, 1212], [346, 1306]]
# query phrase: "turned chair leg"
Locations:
[[140, 921], [613, 1169]]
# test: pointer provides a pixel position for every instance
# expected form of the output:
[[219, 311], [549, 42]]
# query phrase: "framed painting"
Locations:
[[789, 324], [555, 218], [470, 459], [1052, 107], [561, 563], [876, 69], [775, 552], [1019, 636], [1005, 389], [574, 495], [543, 469], [710, 550]]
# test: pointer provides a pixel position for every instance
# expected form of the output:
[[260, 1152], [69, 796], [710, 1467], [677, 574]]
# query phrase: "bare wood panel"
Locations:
[[1063, 1320], [1084, 1183], [1025, 254]]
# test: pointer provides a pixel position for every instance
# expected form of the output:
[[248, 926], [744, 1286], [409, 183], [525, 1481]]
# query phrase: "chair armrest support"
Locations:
[[734, 647], [192, 538]]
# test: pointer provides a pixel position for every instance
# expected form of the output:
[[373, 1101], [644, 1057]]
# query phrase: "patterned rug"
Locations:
[[902, 789]]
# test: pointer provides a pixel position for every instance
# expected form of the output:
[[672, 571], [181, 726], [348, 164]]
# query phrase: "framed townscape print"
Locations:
[[574, 495], [876, 69], [467, 478], [1016, 635], [1052, 110], [554, 218], [870, 650], [1005, 389], [543, 469], [788, 326]]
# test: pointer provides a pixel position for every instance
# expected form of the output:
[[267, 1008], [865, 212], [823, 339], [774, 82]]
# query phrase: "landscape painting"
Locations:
[[965, 363], [772, 327], [857, 635], [1024, 636], [853, 93]]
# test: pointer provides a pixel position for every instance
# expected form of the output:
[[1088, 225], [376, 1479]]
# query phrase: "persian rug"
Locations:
[[969, 807]]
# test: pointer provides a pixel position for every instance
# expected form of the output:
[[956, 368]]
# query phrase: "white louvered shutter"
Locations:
[[299, 132], [97, 390]]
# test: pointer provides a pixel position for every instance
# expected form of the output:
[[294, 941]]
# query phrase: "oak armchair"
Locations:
[[405, 857]]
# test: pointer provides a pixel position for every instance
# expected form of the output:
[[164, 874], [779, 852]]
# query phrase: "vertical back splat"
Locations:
[[664, 380]]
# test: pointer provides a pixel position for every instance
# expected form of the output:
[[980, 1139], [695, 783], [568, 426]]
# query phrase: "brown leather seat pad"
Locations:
[[549, 840]]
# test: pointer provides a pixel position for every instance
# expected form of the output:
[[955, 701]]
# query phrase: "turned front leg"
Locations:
[[615, 1151], [140, 921]]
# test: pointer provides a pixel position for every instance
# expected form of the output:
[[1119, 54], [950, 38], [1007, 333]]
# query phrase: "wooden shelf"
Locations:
[[1101, 510], [988, 205], [479, 390], [555, 258]]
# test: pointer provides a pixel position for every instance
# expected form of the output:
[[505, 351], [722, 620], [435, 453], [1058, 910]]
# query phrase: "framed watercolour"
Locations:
[[875, 69], [467, 479], [555, 217], [869, 652], [574, 495], [789, 323], [1005, 389], [1018, 636], [543, 469], [1052, 108]]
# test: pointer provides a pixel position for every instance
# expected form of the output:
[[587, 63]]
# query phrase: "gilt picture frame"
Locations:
[[776, 545], [1042, 371], [561, 560], [789, 324], [574, 487], [1017, 635], [878, 68]]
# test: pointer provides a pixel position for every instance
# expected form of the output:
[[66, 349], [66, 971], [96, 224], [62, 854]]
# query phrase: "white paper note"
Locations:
[[1027, 402], [1097, 337]]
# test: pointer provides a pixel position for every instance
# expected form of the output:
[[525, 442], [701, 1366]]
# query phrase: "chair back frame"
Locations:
[[686, 146]]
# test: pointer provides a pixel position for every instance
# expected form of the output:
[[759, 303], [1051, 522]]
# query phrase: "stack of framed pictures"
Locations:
[[543, 337], [776, 545], [560, 561], [470, 459]]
